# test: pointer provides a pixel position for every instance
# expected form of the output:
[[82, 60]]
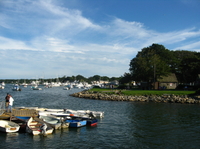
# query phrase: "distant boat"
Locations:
[[8, 126], [16, 88], [36, 88], [66, 88], [1, 86], [24, 84]]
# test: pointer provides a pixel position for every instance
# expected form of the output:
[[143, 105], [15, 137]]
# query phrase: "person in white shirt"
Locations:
[[10, 104]]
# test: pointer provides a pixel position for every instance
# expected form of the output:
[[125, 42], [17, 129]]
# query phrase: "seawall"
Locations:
[[166, 98]]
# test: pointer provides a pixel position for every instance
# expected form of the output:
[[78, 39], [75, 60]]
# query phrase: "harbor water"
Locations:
[[128, 125]]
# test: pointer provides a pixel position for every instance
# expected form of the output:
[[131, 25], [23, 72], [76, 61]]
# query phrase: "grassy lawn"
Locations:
[[143, 92]]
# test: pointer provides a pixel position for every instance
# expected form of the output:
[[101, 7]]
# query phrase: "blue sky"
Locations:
[[53, 38]]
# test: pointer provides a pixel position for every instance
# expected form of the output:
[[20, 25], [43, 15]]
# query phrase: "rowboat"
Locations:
[[76, 123], [16, 88], [21, 121], [91, 121], [36, 126], [80, 113], [54, 122], [8, 126]]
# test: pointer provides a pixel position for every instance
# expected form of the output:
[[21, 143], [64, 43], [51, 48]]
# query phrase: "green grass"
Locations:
[[143, 92]]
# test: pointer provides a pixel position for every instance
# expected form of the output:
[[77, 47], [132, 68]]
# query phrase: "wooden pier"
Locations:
[[19, 112]]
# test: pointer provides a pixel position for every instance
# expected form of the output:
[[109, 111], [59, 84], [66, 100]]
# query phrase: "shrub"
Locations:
[[197, 92], [122, 86], [96, 86]]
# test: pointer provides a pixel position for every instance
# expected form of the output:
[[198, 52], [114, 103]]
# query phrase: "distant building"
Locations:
[[167, 82]]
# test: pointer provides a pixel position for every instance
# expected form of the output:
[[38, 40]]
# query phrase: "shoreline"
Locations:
[[166, 98]]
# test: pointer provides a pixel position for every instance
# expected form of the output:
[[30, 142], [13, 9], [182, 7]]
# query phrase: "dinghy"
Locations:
[[36, 126], [8, 126], [76, 123]]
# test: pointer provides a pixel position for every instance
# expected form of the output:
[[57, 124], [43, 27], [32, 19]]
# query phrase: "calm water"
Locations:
[[125, 124]]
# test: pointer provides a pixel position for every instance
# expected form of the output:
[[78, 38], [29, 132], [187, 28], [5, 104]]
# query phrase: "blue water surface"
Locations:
[[125, 124]]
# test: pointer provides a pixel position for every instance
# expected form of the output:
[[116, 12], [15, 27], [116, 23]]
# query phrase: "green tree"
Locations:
[[126, 78], [186, 65], [105, 78], [80, 78], [151, 63]]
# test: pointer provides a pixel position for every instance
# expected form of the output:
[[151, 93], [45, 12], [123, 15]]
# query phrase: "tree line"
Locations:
[[78, 78], [155, 61]]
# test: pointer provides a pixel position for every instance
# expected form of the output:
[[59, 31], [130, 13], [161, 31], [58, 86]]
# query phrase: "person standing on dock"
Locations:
[[7, 100], [9, 109]]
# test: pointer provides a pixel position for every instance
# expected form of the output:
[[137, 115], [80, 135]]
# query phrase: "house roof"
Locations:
[[170, 78]]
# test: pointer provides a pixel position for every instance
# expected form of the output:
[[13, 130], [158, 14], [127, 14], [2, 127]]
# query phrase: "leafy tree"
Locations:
[[151, 63], [105, 78], [127, 78], [186, 65], [114, 78], [80, 78], [94, 78]]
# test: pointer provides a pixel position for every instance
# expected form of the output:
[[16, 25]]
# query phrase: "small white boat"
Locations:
[[65, 88], [85, 113], [53, 121], [36, 126], [8, 126], [36, 88], [16, 88], [80, 113], [2, 87]]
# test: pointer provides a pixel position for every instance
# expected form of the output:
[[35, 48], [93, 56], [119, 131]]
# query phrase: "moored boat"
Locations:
[[76, 123], [36, 88], [16, 88], [91, 121], [8, 126], [36, 126], [21, 121], [78, 113], [52, 121], [1, 87]]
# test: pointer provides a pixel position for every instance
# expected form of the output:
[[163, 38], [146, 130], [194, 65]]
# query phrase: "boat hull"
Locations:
[[92, 122], [8, 126], [34, 127], [21, 121], [76, 123]]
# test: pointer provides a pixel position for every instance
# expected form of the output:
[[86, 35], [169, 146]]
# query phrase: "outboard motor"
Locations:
[[91, 115], [43, 128]]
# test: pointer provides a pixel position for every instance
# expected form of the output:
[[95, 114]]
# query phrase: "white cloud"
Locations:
[[192, 46], [128, 29], [8, 44], [59, 39]]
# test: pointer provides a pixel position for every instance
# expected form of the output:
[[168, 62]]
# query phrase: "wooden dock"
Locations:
[[19, 112]]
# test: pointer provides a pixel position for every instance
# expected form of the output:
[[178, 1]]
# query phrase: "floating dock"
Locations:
[[19, 112]]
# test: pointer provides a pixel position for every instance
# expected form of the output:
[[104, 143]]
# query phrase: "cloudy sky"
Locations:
[[53, 38]]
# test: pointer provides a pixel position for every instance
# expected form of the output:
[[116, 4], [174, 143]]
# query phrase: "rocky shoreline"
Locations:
[[166, 98]]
